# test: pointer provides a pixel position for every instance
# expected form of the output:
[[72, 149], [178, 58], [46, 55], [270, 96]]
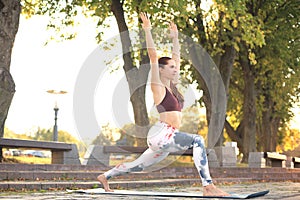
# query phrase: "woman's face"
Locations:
[[169, 70]]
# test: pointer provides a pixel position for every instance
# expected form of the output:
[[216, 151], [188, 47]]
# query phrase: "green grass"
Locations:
[[28, 160], [242, 165]]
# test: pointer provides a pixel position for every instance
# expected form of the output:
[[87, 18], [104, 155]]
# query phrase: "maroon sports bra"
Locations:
[[169, 103]]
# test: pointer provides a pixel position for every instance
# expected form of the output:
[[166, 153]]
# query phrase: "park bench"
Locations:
[[97, 154], [296, 162], [264, 159], [100, 155], [274, 159], [138, 150], [62, 153]]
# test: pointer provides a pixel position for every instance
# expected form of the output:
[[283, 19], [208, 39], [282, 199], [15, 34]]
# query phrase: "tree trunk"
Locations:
[[9, 23], [245, 134], [249, 107], [225, 67], [249, 110], [266, 127], [269, 127], [136, 77], [275, 124]]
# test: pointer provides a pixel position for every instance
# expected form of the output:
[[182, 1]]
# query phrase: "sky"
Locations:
[[37, 68]]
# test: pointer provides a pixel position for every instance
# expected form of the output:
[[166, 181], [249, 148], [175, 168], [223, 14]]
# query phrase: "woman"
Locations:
[[164, 136]]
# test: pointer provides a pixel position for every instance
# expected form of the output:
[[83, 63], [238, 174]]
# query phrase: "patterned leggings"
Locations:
[[163, 139]]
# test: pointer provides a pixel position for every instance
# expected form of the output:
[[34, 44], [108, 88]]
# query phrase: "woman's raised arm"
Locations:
[[149, 40], [156, 84], [176, 48]]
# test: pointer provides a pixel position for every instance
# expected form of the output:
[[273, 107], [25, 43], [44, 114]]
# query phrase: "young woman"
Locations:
[[164, 136]]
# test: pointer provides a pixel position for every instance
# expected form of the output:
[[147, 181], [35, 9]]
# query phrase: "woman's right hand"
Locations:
[[146, 21], [173, 30]]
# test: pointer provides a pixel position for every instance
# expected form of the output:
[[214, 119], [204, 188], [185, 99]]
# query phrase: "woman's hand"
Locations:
[[173, 30], [146, 21]]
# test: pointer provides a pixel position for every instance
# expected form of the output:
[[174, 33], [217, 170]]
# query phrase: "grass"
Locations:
[[242, 165], [28, 160]]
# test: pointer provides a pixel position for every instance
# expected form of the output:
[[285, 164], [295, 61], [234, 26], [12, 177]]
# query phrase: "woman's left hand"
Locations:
[[146, 21]]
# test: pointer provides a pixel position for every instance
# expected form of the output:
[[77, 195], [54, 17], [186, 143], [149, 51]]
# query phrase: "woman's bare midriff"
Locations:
[[172, 118]]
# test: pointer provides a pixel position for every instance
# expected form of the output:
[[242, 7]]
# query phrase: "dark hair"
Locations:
[[161, 63]]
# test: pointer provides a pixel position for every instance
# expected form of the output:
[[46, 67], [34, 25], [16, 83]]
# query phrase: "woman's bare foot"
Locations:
[[212, 190], [102, 179]]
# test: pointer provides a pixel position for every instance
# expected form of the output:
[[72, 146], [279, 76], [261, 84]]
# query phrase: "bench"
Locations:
[[100, 155], [97, 154], [274, 159], [266, 159], [138, 150], [296, 162], [62, 153]]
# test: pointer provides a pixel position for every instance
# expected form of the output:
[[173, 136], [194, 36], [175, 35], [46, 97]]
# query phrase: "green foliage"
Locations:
[[236, 24], [105, 137], [65, 15], [278, 66], [289, 140], [43, 135], [128, 133], [192, 121], [278, 63], [269, 30], [10, 134]]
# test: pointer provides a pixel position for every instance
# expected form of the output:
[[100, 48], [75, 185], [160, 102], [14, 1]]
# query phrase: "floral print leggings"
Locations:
[[163, 139]]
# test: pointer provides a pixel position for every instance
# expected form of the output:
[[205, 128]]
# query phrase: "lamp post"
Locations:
[[55, 129]]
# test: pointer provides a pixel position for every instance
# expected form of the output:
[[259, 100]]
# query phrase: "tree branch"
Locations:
[[234, 135]]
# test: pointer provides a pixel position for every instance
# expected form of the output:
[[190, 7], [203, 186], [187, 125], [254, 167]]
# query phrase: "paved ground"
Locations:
[[278, 190]]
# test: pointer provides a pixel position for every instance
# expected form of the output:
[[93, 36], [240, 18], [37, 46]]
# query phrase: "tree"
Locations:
[[9, 23], [289, 141], [265, 95], [10, 134], [107, 136], [191, 121], [126, 137], [278, 68], [43, 135]]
